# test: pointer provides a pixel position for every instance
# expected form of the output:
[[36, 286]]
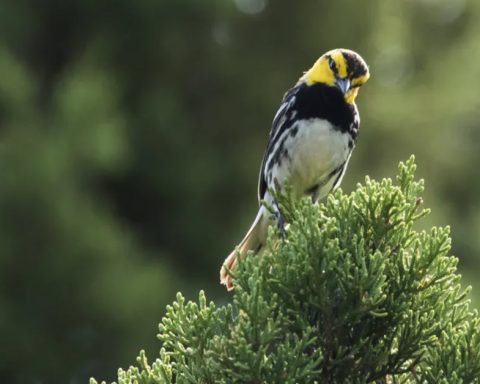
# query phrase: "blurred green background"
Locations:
[[131, 137]]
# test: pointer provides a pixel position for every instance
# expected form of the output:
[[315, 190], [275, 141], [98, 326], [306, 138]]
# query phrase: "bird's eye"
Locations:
[[331, 64]]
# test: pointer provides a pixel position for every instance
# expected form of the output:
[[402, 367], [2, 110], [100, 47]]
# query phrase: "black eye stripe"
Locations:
[[332, 65]]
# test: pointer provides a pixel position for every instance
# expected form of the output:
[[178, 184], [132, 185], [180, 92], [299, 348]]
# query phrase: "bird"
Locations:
[[311, 140]]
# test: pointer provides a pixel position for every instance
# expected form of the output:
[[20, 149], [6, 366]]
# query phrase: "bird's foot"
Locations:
[[280, 222]]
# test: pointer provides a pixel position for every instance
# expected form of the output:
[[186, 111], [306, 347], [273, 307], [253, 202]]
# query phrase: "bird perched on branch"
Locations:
[[312, 137]]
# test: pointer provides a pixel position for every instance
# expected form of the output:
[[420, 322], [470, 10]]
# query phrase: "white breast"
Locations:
[[313, 153]]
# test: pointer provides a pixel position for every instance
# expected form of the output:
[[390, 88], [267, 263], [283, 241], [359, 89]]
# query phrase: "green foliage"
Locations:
[[354, 294]]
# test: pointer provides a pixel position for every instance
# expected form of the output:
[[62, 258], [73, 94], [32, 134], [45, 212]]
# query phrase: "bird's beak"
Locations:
[[343, 84]]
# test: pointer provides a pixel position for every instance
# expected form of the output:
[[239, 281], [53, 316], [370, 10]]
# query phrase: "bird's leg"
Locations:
[[279, 219]]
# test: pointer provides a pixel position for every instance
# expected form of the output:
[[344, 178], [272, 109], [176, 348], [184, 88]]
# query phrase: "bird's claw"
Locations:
[[281, 226]]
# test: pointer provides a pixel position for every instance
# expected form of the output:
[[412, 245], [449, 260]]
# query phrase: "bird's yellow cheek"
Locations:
[[351, 95], [319, 73]]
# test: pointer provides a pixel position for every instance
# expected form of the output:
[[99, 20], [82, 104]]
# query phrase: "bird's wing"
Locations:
[[282, 120]]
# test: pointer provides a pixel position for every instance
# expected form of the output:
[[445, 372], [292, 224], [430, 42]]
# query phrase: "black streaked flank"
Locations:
[[294, 131], [351, 143], [353, 132]]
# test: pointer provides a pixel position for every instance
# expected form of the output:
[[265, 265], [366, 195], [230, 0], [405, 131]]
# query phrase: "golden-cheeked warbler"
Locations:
[[312, 137]]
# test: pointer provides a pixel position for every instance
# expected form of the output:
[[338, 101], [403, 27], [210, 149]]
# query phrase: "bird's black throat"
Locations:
[[324, 102]]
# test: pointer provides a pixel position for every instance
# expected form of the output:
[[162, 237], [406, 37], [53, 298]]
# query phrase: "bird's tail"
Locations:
[[254, 240]]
